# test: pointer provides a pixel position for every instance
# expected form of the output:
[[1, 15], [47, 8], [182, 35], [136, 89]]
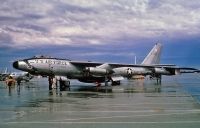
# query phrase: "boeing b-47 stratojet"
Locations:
[[95, 72]]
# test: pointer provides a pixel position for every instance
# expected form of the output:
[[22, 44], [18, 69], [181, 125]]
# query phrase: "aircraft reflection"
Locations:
[[141, 86], [130, 86]]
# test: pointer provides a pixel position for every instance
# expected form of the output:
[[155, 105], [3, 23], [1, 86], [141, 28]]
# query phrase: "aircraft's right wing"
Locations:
[[179, 70]]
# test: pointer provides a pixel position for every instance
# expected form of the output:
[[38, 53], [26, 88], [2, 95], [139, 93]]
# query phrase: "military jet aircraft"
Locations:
[[96, 72], [21, 76], [18, 76]]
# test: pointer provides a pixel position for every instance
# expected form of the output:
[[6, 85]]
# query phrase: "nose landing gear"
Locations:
[[63, 82]]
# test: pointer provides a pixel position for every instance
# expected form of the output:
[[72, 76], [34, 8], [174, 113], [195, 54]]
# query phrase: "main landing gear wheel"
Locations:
[[53, 83], [64, 85]]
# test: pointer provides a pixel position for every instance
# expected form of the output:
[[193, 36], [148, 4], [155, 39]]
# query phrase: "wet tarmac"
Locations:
[[135, 103]]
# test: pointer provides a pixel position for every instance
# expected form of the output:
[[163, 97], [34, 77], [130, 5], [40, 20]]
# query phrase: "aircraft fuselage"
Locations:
[[56, 67]]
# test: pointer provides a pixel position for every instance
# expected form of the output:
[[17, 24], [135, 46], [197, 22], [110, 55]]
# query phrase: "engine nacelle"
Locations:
[[167, 71], [96, 71], [162, 71]]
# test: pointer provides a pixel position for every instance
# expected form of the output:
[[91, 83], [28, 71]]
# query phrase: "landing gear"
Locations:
[[106, 80], [64, 84], [157, 77], [52, 82]]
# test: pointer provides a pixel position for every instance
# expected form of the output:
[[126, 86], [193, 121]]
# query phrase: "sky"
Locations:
[[100, 30]]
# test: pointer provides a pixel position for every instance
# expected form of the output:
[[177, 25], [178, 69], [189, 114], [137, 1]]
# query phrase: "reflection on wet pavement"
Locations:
[[135, 103]]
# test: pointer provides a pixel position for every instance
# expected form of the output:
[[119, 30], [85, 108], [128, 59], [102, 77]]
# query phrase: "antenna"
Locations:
[[135, 59], [6, 70]]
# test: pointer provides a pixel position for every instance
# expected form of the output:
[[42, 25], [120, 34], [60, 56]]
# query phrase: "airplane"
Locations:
[[21, 76], [97, 72], [18, 76]]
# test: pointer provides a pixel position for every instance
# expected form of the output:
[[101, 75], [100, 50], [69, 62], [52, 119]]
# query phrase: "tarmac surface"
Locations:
[[135, 103]]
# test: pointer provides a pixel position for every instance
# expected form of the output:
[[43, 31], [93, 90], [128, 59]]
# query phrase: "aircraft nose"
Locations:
[[16, 65]]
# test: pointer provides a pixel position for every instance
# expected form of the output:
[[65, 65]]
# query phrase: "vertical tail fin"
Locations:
[[154, 55]]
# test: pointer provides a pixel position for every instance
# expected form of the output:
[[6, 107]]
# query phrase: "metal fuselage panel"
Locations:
[[129, 71], [52, 67]]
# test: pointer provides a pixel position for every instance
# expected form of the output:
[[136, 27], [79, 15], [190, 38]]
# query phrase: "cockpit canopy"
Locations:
[[45, 57], [42, 56]]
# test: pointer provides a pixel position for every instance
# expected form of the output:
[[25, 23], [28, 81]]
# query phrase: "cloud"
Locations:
[[27, 23]]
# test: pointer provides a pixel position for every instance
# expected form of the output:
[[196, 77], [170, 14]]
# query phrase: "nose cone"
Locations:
[[16, 65]]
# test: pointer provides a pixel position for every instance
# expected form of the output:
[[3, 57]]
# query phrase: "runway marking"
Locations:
[[110, 117], [138, 111], [166, 122], [133, 104], [129, 116], [78, 120]]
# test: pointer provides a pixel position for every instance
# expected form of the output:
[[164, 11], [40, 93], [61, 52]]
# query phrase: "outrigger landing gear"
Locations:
[[158, 79], [64, 84], [106, 80]]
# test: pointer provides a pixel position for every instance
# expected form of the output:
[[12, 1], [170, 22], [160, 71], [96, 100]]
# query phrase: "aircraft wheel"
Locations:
[[115, 83], [64, 85]]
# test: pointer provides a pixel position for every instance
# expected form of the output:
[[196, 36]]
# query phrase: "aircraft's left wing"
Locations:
[[162, 69], [180, 70], [187, 70], [113, 65], [116, 65]]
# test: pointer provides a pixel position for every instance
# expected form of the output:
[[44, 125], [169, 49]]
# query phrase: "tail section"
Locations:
[[154, 55]]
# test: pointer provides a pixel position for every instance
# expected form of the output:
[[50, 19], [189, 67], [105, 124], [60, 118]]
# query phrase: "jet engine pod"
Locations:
[[96, 71], [167, 71], [162, 71]]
